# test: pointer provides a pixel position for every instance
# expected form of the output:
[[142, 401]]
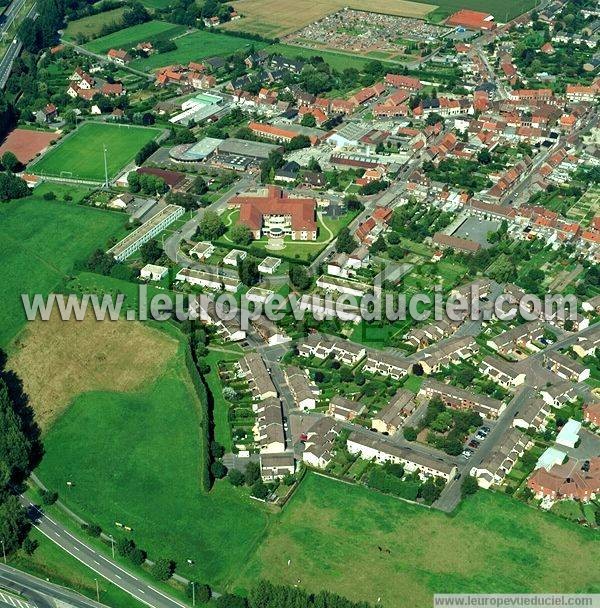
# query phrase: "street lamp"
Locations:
[[97, 590], [112, 544], [3, 550], [193, 593]]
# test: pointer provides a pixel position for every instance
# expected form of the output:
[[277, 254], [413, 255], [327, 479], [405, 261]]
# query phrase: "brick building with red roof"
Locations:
[[277, 214]]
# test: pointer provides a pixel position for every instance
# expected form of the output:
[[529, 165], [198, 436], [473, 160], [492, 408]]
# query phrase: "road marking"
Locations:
[[141, 591], [117, 576]]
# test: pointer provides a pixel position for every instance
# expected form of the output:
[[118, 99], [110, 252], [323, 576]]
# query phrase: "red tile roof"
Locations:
[[276, 202]]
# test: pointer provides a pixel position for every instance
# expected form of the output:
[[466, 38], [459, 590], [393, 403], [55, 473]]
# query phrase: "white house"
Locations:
[[151, 272]]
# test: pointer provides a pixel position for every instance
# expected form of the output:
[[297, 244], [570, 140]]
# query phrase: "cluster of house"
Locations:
[[84, 86], [268, 430], [193, 75]]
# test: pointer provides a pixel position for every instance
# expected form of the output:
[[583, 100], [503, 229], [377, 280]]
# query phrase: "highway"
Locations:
[[10, 14], [108, 569], [6, 63]]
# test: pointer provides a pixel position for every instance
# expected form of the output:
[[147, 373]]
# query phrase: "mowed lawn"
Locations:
[[131, 36], [80, 155], [196, 46], [39, 243], [135, 458], [332, 533]]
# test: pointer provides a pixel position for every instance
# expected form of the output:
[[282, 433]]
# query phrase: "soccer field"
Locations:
[[80, 155]]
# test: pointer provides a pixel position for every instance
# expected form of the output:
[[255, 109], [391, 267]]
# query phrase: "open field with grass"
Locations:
[[131, 36], [332, 532], [196, 46], [58, 360], [91, 26], [50, 562], [135, 458], [336, 60], [502, 11], [80, 154], [273, 19], [39, 243]]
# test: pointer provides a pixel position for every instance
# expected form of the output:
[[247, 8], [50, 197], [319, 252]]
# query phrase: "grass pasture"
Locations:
[[91, 26], [135, 458], [80, 154], [58, 360], [196, 46], [502, 11], [332, 532], [39, 243], [131, 36], [273, 19]]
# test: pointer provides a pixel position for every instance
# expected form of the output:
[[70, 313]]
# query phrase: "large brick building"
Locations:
[[274, 213]]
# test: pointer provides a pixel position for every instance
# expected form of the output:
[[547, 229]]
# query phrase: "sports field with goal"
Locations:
[[80, 154]]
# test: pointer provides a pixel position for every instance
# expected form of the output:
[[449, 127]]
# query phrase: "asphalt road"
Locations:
[[38, 592], [10, 14], [130, 583]]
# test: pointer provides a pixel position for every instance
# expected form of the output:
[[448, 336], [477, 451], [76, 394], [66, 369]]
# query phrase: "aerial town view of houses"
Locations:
[[285, 171]]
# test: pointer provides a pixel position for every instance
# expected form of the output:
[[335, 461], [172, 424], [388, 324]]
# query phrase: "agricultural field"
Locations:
[[40, 241], [131, 36], [121, 448], [119, 355], [273, 19], [196, 46], [91, 26], [588, 206], [334, 535], [80, 154]]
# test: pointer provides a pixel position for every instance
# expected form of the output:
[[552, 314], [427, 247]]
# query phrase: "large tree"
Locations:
[[211, 226], [15, 447]]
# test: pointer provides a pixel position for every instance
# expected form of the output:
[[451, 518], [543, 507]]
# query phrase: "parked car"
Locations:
[[473, 444], [467, 453]]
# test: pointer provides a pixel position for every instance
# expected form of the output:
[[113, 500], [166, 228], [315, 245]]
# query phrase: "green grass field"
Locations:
[[130, 36], [80, 154], [135, 458], [194, 47], [50, 562], [39, 244], [331, 533], [502, 11], [92, 25], [337, 61]]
